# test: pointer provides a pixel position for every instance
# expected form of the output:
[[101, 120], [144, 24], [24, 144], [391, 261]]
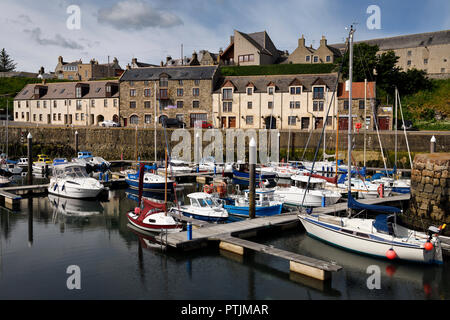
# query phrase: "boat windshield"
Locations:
[[73, 172]]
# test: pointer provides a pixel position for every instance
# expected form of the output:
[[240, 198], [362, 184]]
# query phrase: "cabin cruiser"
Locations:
[[72, 181], [176, 167], [266, 204], [209, 165], [42, 165], [241, 175], [203, 206], [11, 168], [151, 183], [315, 196]]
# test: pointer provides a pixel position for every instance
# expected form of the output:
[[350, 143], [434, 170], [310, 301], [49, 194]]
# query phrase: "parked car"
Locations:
[[408, 125], [206, 125], [173, 123], [109, 123]]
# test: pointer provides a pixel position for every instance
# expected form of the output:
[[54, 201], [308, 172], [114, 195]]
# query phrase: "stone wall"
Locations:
[[430, 188]]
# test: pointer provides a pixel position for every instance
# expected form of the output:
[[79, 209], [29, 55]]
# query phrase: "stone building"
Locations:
[[298, 102], [68, 103], [425, 51], [304, 54], [364, 105], [250, 49], [137, 64], [185, 93], [79, 71]]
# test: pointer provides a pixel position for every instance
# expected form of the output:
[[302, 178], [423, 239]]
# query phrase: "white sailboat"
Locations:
[[380, 237]]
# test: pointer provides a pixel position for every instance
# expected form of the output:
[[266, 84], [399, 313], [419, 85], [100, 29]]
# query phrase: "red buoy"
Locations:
[[428, 246], [391, 255], [427, 289], [136, 210]]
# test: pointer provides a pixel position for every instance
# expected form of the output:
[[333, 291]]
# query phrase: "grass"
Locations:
[[277, 69]]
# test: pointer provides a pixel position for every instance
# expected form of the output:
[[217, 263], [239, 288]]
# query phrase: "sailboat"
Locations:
[[382, 237], [150, 215]]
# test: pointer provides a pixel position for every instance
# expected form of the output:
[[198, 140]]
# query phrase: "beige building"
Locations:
[[80, 71], [250, 49], [304, 54], [279, 102], [184, 93], [424, 51], [68, 103]]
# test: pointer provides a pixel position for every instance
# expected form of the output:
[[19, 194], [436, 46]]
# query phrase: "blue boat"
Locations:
[[152, 182], [241, 176], [265, 204]]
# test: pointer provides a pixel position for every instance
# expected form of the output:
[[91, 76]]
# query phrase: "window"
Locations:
[[197, 82], [131, 83], [45, 104], [105, 103], [425, 61], [164, 82], [180, 92], [59, 116], [134, 119], [297, 104], [38, 104], [54, 117], [93, 103], [249, 105], [76, 116], [132, 104], [308, 58], [147, 105], [292, 120], [132, 92], [409, 62], [294, 105], [34, 117], [147, 92], [227, 106], [180, 82], [409, 53], [345, 104], [148, 119], [296, 90], [247, 58], [196, 92], [196, 104], [146, 83], [163, 94], [316, 59], [82, 116], [328, 59], [361, 104], [54, 104], [329, 121], [227, 94], [78, 92], [318, 92], [442, 70], [270, 104], [78, 104], [249, 91], [318, 106], [249, 120], [115, 102], [270, 90], [180, 104]]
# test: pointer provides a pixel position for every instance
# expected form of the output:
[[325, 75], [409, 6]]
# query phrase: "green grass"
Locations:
[[277, 69]]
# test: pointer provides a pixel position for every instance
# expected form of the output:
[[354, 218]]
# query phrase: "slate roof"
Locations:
[[282, 82], [406, 41], [174, 73], [66, 90]]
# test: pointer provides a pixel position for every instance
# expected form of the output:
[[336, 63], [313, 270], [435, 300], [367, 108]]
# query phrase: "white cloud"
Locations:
[[57, 40], [136, 14]]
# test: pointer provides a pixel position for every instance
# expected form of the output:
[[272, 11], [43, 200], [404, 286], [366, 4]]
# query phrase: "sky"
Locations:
[[34, 33]]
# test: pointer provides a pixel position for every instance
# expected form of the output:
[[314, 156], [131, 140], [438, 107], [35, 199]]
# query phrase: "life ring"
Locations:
[[208, 189]]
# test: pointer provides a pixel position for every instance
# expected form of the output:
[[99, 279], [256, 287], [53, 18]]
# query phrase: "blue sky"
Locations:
[[34, 33]]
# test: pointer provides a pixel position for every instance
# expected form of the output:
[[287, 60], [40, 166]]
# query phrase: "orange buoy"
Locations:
[[390, 270], [427, 289], [428, 246], [391, 254]]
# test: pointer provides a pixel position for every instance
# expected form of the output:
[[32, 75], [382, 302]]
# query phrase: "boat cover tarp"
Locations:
[[353, 204], [361, 172], [381, 223]]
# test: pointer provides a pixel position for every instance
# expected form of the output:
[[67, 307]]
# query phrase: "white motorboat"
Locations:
[[203, 206], [72, 181], [209, 165], [315, 196], [176, 167], [284, 170], [367, 189], [12, 168], [266, 204]]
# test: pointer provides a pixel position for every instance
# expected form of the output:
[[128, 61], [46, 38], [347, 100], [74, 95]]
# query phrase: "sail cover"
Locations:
[[333, 180], [353, 204]]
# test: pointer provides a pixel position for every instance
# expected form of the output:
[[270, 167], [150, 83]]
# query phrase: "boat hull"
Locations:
[[311, 200], [202, 217], [149, 187], [373, 246], [68, 191], [244, 177], [152, 227], [259, 211]]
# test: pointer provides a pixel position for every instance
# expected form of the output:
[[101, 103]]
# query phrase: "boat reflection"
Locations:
[[134, 195], [75, 207]]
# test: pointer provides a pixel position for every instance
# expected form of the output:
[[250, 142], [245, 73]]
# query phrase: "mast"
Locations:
[[365, 118], [165, 183], [350, 119], [396, 124]]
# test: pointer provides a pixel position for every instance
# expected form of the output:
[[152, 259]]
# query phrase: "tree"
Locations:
[[364, 62], [6, 63]]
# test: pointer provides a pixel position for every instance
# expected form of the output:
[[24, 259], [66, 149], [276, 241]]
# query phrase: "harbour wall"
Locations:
[[114, 143]]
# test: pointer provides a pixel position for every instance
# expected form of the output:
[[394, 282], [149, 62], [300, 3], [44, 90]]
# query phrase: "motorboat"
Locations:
[[151, 183], [302, 194], [176, 167], [366, 189], [266, 204], [209, 164], [203, 206], [241, 175], [397, 186], [72, 181], [58, 161], [42, 165], [284, 170], [11, 168]]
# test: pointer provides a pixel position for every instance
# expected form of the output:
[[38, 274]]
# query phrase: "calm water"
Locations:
[[38, 243]]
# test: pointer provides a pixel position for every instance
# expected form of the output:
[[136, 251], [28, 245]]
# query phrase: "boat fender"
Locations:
[[391, 254], [380, 190], [428, 246], [55, 187]]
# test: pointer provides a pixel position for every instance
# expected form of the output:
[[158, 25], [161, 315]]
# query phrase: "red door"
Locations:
[[343, 123], [232, 122], [124, 122], [383, 123]]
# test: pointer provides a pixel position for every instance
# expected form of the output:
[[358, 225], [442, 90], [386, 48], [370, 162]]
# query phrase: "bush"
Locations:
[[277, 69]]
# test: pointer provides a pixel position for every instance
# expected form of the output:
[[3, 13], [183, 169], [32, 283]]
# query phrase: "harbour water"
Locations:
[[39, 243]]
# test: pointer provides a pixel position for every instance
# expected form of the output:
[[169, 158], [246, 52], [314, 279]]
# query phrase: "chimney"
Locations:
[[301, 41], [134, 61], [41, 70], [323, 42], [60, 59], [128, 67], [162, 64], [168, 58], [231, 39]]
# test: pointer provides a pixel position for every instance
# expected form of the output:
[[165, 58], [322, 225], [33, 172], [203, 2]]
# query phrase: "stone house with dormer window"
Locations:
[[304, 54]]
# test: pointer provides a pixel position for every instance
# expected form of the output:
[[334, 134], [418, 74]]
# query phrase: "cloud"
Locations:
[[58, 40], [136, 14]]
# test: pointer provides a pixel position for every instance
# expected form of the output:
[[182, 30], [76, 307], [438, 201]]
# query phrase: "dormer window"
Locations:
[[78, 92], [164, 81], [249, 91], [318, 93], [108, 88], [227, 94], [296, 90], [270, 90]]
